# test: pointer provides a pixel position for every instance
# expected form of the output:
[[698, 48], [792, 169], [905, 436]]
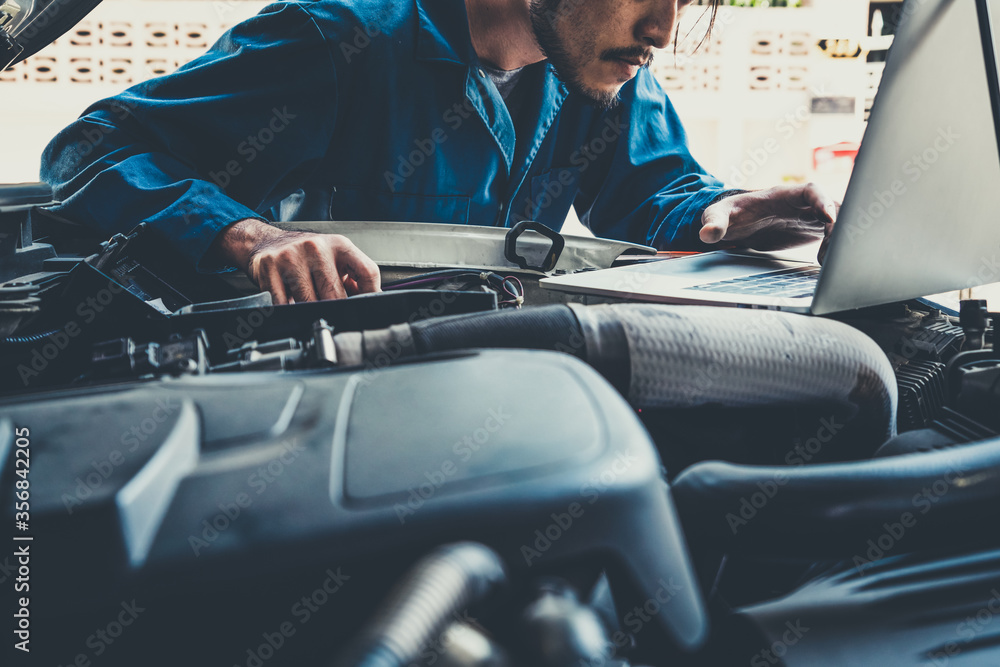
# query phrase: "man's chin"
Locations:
[[605, 98], [603, 90]]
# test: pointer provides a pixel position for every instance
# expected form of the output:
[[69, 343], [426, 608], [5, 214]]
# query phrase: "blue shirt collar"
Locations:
[[443, 32]]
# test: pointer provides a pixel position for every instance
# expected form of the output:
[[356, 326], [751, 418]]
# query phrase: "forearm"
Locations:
[[108, 179], [171, 152]]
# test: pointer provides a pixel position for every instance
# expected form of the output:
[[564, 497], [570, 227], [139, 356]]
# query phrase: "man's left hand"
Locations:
[[782, 217]]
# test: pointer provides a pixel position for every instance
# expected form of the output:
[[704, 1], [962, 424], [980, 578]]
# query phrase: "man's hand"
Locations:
[[296, 265], [782, 217]]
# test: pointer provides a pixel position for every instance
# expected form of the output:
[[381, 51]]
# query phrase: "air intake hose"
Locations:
[[673, 357]]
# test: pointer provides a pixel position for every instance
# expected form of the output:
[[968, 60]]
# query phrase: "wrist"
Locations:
[[235, 244]]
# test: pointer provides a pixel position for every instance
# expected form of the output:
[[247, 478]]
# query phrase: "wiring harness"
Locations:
[[509, 289]]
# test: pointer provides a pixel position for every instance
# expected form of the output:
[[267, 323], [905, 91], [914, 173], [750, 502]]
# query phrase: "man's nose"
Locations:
[[656, 27]]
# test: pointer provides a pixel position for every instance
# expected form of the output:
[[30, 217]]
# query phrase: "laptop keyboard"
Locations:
[[786, 283]]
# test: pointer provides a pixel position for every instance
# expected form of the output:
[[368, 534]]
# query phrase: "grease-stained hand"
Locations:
[[298, 266]]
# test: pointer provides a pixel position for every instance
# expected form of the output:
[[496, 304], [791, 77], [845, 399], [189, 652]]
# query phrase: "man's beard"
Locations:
[[543, 18]]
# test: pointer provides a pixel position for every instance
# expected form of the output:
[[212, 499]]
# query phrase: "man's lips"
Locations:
[[635, 62]]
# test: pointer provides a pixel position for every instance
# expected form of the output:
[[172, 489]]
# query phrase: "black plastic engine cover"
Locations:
[[931, 609], [227, 507]]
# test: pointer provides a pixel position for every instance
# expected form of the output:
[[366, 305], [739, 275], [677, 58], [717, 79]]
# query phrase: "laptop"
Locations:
[[922, 212]]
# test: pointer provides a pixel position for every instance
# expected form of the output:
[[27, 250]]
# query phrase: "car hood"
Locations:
[[27, 26]]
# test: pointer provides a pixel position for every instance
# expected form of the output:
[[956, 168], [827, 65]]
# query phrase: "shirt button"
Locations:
[[482, 74]]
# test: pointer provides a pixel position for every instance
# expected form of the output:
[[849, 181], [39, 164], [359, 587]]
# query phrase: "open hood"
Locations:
[[27, 26]]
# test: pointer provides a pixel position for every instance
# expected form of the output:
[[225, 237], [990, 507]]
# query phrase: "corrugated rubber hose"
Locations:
[[678, 356], [452, 579]]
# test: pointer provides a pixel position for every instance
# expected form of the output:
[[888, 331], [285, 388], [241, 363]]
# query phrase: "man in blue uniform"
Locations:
[[481, 112]]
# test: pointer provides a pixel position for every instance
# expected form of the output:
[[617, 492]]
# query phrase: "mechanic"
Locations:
[[482, 112]]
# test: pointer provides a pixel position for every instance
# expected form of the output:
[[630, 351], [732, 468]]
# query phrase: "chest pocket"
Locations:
[[355, 203], [552, 193]]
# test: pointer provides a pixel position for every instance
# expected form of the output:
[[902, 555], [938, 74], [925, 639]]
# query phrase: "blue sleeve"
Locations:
[[653, 192], [183, 152]]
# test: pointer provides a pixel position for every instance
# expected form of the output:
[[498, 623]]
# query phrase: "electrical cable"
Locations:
[[509, 289]]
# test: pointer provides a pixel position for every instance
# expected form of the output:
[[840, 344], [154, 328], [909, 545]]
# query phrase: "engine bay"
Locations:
[[469, 470]]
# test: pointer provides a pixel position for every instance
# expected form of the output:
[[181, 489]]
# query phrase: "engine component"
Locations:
[[19, 303], [559, 630], [975, 319], [942, 605], [831, 511], [974, 383], [508, 289], [950, 429], [216, 518], [922, 393], [19, 254], [177, 356], [680, 357], [451, 580]]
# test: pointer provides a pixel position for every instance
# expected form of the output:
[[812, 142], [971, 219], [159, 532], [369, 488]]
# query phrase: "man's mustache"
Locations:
[[637, 54]]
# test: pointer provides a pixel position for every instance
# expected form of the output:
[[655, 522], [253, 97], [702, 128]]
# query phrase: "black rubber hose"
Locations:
[[895, 505], [669, 357], [548, 327], [582, 332], [450, 580]]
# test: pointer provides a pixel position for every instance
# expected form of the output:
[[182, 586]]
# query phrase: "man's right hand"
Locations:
[[297, 265]]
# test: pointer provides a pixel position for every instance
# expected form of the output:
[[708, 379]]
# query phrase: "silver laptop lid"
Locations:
[[921, 215]]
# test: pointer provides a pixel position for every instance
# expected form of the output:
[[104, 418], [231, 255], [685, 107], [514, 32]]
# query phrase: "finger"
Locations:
[[350, 284], [715, 222], [361, 268], [332, 284], [298, 281], [823, 248], [268, 279], [328, 284], [323, 269], [820, 203]]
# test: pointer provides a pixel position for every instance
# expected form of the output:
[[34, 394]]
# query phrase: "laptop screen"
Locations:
[[921, 215]]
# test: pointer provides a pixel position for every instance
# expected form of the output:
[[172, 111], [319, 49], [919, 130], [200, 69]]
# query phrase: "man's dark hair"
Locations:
[[712, 13]]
